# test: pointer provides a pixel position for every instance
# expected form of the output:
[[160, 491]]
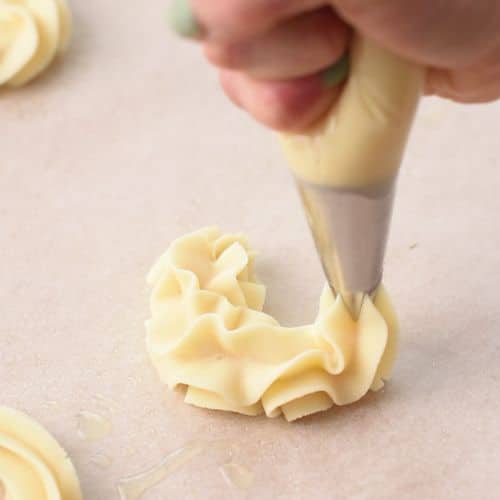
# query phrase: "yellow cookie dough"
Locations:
[[361, 142], [33, 466], [32, 32], [208, 334]]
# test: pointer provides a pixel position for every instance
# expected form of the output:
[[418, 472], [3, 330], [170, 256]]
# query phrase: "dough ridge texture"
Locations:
[[207, 333], [33, 466], [32, 34]]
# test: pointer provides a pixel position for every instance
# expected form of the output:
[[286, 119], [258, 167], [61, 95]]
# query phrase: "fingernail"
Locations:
[[182, 20], [336, 73]]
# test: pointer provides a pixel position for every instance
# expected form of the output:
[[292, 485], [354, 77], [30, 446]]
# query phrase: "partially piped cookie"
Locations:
[[207, 333]]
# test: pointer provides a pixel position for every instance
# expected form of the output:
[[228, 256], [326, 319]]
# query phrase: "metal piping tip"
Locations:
[[350, 228], [353, 303]]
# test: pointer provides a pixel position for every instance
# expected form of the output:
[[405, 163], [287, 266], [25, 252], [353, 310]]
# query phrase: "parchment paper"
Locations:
[[130, 143]]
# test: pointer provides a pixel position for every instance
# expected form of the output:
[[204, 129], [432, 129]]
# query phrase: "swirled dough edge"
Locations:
[[32, 463], [32, 33], [207, 333]]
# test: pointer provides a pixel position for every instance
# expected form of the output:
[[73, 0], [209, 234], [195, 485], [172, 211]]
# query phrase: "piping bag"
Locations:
[[346, 168]]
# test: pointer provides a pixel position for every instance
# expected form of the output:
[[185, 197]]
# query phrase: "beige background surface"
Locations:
[[129, 144]]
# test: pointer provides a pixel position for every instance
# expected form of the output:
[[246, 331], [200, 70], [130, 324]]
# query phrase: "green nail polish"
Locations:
[[336, 73], [182, 20]]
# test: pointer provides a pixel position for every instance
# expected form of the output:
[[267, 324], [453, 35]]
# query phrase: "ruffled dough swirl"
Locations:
[[207, 333], [32, 464], [32, 33]]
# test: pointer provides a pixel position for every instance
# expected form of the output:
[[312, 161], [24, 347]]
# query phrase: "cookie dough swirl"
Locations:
[[32, 33], [32, 464], [207, 333]]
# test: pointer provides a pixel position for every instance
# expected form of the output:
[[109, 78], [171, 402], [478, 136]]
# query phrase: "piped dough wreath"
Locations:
[[207, 333]]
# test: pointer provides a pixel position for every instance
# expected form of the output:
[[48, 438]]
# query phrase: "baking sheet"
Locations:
[[130, 143]]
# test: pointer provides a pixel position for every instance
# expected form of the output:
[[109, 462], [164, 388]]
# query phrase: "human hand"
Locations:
[[283, 61]]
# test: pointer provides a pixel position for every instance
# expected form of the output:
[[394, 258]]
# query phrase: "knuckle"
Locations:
[[279, 108], [257, 10], [333, 44], [230, 87], [225, 55], [246, 16], [271, 8], [332, 35], [358, 8]]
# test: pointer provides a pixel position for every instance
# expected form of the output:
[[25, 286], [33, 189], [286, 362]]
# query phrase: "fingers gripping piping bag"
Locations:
[[346, 168]]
